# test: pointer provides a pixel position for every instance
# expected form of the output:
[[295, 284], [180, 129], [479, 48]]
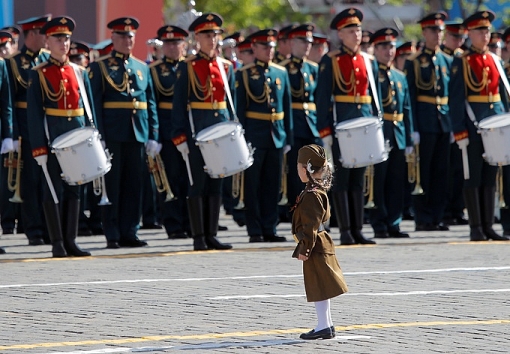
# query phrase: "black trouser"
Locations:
[[455, 205]]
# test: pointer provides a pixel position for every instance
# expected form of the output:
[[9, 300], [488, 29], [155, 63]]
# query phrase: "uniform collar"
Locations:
[[30, 53], [296, 60], [172, 61], [348, 51], [57, 63], [121, 56], [383, 67], [447, 50], [478, 51], [261, 63], [429, 51], [205, 56]]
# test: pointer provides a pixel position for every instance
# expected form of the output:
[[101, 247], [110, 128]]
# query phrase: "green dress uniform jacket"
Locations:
[[124, 99], [323, 277], [264, 105]]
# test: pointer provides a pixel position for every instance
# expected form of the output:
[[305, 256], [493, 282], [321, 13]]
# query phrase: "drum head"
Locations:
[[72, 137], [497, 121], [357, 123], [217, 131]]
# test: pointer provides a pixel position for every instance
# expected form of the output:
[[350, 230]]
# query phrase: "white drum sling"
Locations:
[[495, 132], [224, 149], [81, 155]]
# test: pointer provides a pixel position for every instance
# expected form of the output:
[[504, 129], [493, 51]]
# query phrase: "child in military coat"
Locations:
[[323, 277]]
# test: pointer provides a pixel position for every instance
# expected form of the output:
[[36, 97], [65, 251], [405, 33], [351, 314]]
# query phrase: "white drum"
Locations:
[[495, 132], [361, 142], [81, 155], [224, 149]]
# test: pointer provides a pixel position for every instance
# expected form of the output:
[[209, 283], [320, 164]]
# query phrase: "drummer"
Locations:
[[58, 111], [207, 100], [343, 74], [485, 98]]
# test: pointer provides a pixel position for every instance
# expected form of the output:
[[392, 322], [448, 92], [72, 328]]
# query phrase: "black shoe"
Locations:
[[97, 230], [222, 228], [332, 328], [274, 238], [135, 242], [112, 244], [442, 227], [381, 234], [35, 241], [58, 250], [426, 227], [492, 235], [325, 333], [7, 231], [177, 235], [346, 238], [256, 238], [360, 239], [398, 234], [85, 231], [2, 251], [476, 234], [154, 226], [506, 233], [460, 221], [199, 243], [240, 222], [214, 244]]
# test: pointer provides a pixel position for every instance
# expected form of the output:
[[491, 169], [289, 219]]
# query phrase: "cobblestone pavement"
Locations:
[[433, 293]]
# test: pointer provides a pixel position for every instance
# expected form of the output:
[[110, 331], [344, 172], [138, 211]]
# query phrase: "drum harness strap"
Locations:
[[84, 97]]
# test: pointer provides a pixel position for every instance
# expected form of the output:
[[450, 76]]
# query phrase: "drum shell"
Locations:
[[224, 149], [361, 142], [81, 156], [495, 133]]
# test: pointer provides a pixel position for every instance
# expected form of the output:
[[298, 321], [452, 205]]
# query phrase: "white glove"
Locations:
[[452, 138], [416, 138], [41, 159], [286, 149], [7, 146], [463, 143], [183, 148], [409, 150], [158, 149], [103, 144], [150, 147], [15, 145], [327, 141]]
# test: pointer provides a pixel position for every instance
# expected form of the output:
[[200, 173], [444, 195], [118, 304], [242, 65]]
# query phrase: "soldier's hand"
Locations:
[[416, 138], [151, 147], [409, 150], [286, 149], [183, 148], [7, 146], [463, 143], [302, 257], [15, 145], [158, 149], [327, 141], [41, 159], [103, 144]]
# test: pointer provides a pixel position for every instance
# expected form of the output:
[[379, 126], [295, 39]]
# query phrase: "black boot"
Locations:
[[488, 199], [71, 229], [472, 200], [52, 216], [213, 215], [196, 220], [341, 209], [2, 251], [358, 207]]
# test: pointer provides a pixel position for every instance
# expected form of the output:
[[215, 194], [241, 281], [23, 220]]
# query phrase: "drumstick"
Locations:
[[465, 162], [50, 184], [188, 167]]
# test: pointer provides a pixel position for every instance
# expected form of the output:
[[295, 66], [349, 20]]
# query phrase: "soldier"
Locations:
[[202, 88], [343, 78], [52, 113], [505, 52], [5, 44], [477, 91], [284, 48], [366, 46], [319, 47], [245, 53], [264, 108], [15, 32], [495, 43], [403, 52], [428, 73], [455, 35], [389, 176], [19, 66], [303, 81], [128, 122], [229, 46], [164, 73], [79, 53]]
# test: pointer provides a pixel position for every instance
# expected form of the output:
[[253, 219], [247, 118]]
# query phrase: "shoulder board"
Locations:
[[190, 58], [37, 67], [414, 56], [44, 50], [103, 57], [247, 66], [138, 60], [284, 62], [312, 63], [155, 63], [13, 54], [277, 66], [225, 61], [333, 53], [465, 53]]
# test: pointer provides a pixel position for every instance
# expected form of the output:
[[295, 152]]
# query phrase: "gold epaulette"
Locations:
[[458, 51], [284, 62], [37, 67], [312, 63], [190, 58], [103, 57], [44, 50], [333, 53], [465, 53], [414, 55], [247, 66], [155, 63], [277, 66]]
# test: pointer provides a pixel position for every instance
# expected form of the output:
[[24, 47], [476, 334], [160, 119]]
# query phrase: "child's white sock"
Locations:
[[322, 309]]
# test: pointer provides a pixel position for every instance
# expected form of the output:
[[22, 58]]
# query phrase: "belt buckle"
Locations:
[[215, 105], [491, 99], [136, 104], [305, 105], [69, 112], [438, 100]]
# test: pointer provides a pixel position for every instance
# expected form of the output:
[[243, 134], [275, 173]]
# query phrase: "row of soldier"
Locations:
[[281, 108]]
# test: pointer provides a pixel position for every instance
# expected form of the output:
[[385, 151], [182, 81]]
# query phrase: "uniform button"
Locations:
[[484, 57], [69, 106], [487, 68], [357, 82], [489, 81], [359, 106], [62, 69], [65, 80], [438, 87], [128, 70], [273, 110], [268, 79], [272, 99], [193, 63], [306, 94], [395, 102], [132, 90], [305, 74], [214, 88], [434, 58], [210, 64], [266, 71], [393, 93], [126, 62], [68, 93], [134, 111], [357, 69], [306, 84], [43, 70], [212, 76], [354, 58], [130, 81], [215, 114]]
